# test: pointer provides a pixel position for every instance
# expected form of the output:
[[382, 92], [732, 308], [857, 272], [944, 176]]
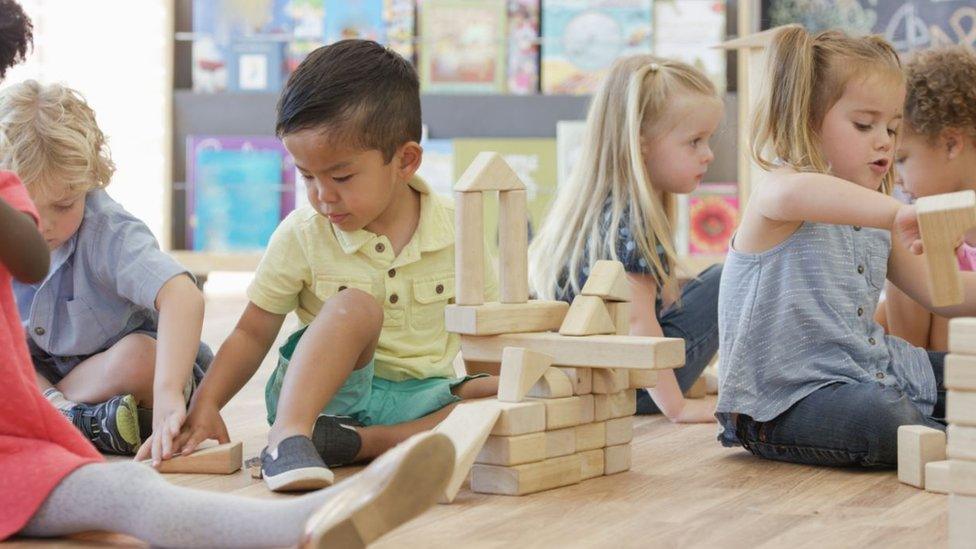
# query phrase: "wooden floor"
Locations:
[[685, 490]]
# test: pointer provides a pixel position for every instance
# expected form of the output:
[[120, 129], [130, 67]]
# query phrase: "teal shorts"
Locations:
[[368, 399]]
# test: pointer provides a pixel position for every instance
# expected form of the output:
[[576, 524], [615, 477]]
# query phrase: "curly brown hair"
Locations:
[[16, 35], [941, 91]]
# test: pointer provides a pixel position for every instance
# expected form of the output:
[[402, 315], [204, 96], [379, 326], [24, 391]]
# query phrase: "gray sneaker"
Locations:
[[296, 466], [336, 439], [112, 426]]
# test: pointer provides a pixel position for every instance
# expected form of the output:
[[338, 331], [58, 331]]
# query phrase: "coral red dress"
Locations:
[[38, 447]]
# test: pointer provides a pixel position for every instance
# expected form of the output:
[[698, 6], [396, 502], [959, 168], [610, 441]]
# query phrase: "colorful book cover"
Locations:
[[569, 145], [523, 47], [437, 167], [399, 18], [463, 45], [688, 30], [308, 30], [534, 160], [582, 38], [713, 215], [354, 19], [278, 191], [256, 66]]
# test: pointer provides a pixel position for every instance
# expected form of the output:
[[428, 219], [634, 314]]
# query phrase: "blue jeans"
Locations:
[[842, 424], [696, 322]]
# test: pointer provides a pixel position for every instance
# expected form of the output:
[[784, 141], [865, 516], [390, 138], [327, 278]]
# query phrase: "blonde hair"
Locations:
[[805, 76], [633, 101], [49, 138]]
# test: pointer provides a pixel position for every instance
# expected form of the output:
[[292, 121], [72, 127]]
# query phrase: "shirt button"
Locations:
[[394, 298], [879, 375], [439, 289], [860, 311], [857, 227], [380, 247], [871, 340], [39, 331], [391, 272], [860, 269]]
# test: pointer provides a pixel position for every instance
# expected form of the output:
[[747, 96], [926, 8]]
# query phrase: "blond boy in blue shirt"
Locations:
[[368, 268]]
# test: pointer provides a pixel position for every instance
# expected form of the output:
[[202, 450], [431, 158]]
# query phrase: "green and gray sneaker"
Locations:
[[112, 426]]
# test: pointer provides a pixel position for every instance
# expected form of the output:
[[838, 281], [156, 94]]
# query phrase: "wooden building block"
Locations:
[[586, 408], [961, 442], [521, 369], [962, 336], [527, 478], [620, 430], [596, 351], [699, 389], [222, 459], [513, 450], [937, 477], [607, 281], [587, 316], [961, 407], [591, 465], [581, 378], [640, 379], [519, 418], [505, 318], [942, 220], [560, 442], [561, 412], [962, 477], [918, 445], [620, 314], [492, 368], [960, 372], [616, 459], [469, 252], [962, 527], [601, 407], [623, 403], [590, 436], [513, 247], [553, 384], [489, 172], [467, 426], [607, 381]]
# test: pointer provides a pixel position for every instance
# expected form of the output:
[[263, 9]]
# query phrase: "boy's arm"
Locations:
[[236, 361]]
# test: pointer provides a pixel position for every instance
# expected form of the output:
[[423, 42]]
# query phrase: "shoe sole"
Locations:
[[127, 422], [404, 486], [300, 480]]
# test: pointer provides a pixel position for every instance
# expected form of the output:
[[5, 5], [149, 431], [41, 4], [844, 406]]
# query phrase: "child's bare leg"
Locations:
[[341, 338], [906, 318], [126, 368], [42, 383], [377, 439]]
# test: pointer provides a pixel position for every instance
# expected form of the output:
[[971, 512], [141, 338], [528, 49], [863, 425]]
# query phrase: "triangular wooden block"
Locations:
[[468, 426], [520, 370], [587, 316], [554, 383], [222, 459], [607, 280], [489, 172]]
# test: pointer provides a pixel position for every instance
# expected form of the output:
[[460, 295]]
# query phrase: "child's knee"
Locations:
[[355, 308], [886, 411], [132, 353]]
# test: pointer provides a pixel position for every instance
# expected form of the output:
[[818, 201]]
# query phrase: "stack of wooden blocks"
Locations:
[[566, 399], [960, 382]]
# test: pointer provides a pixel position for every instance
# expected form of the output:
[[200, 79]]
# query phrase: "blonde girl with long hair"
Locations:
[[808, 375], [647, 140]]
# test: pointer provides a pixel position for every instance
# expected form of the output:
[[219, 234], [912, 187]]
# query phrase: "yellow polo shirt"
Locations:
[[308, 260]]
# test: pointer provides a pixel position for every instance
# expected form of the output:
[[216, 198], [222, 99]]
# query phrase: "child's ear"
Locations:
[[954, 141], [408, 159]]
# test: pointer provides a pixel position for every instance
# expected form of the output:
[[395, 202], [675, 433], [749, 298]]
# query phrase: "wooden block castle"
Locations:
[[566, 399]]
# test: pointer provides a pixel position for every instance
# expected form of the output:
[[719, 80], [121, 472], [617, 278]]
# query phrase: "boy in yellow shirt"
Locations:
[[368, 268]]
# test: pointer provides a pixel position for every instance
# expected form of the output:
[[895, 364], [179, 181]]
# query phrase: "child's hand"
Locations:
[[169, 412], [203, 423], [906, 228], [696, 411]]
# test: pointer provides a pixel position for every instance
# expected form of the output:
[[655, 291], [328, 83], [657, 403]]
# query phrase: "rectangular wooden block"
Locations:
[[553, 384], [222, 459], [586, 408], [620, 430], [942, 219], [961, 407], [505, 318], [960, 372], [469, 253], [561, 412], [699, 389], [621, 404], [607, 381], [961, 442], [590, 436], [560, 442], [918, 445], [527, 478], [962, 527], [962, 477], [581, 378], [513, 450], [937, 477], [643, 379], [467, 426], [962, 336], [513, 246], [592, 464], [519, 418], [596, 351], [616, 459], [601, 407]]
